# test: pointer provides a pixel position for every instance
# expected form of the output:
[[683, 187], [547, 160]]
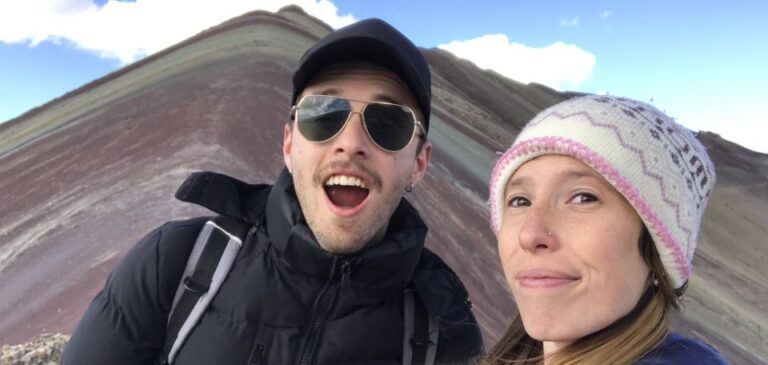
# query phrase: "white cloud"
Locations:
[[606, 14], [558, 65], [573, 22], [128, 31]]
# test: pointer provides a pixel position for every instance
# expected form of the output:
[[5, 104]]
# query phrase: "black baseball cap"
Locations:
[[369, 40]]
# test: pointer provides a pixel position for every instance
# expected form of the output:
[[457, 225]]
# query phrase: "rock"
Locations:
[[45, 350]]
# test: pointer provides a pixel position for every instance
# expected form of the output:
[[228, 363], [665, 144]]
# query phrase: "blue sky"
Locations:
[[701, 62]]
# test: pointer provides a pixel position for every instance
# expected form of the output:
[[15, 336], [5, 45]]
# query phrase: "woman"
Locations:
[[597, 206]]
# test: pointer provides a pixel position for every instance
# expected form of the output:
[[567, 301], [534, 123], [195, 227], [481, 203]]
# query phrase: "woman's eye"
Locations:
[[517, 201], [581, 198]]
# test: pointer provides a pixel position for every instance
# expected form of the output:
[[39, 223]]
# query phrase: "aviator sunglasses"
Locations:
[[322, 117]]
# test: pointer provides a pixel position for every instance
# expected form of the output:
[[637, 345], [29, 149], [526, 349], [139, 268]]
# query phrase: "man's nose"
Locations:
[[353, 139]]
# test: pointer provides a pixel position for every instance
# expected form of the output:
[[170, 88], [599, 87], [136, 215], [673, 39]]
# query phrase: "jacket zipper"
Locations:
[[324, 307], [257, 355]]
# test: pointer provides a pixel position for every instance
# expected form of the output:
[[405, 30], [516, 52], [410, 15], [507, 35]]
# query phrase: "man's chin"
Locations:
[[342, 244], [342, 248]]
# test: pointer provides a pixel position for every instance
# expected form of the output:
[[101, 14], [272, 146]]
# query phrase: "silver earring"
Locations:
[[409, 188]]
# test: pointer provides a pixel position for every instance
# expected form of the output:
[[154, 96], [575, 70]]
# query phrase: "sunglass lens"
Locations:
[[390, 126], [321, 117]]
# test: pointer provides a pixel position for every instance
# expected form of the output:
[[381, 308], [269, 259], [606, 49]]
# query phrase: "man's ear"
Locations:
[[287, 145], [420, 165]]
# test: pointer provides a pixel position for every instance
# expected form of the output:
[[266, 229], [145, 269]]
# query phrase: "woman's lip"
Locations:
[[544, 278], [544, 282]]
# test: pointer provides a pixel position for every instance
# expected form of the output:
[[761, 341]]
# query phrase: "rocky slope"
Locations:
[[45, 350], [84, 176]]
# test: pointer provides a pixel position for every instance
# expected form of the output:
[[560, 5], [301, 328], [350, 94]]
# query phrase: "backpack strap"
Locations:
[[421, 332], [212, 256]]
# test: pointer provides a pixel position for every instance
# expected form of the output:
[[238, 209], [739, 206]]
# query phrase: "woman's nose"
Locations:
[[536, 233]]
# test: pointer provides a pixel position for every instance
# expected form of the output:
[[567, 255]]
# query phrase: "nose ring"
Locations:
[[549, 233]]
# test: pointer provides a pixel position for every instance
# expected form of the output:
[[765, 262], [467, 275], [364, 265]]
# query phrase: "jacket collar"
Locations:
[[376, 271], [225, 195]]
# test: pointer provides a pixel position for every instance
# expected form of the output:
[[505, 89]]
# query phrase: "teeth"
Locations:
[[345, 180]]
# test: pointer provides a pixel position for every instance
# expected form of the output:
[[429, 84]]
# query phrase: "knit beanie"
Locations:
[[659, 167]]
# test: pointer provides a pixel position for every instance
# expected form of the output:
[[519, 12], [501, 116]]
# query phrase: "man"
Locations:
[[333, 254]]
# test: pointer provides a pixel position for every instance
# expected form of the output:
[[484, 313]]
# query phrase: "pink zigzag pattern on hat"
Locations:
[[582, 152], [638, 151]]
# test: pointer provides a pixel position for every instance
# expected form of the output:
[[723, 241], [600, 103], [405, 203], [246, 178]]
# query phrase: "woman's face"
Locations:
[[568, 244]]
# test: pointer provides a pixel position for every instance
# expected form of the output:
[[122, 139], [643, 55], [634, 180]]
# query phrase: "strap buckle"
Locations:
[[191, 285], [421, 342]]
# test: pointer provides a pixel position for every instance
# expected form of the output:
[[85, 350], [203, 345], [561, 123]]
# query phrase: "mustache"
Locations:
[[371, 177]]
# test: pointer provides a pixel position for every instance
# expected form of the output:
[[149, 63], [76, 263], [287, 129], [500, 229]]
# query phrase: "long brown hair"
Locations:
[[623, 342]]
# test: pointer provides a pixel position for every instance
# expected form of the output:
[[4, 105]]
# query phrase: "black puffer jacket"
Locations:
[[285, 301]]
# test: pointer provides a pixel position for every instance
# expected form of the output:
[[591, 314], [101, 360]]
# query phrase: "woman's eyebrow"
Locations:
[[566, 175], [516, 182], [580, 174]]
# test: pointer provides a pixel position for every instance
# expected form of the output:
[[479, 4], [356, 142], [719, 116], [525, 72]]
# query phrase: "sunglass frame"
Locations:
[[295, 109]]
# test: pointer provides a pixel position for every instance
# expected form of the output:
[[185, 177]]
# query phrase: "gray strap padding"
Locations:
[[434, 334], [409, 319], [225, 263]]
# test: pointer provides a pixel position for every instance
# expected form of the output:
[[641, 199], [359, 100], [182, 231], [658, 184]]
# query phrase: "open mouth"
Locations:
[[346, 191]]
